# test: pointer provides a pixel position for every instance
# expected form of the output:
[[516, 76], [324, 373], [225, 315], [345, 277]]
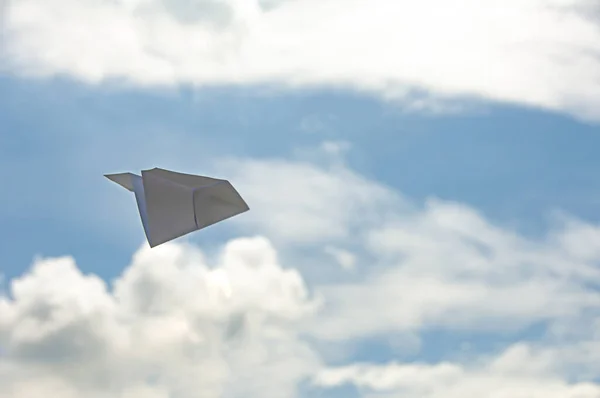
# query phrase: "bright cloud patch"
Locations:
[[536, 52], [171, 327]]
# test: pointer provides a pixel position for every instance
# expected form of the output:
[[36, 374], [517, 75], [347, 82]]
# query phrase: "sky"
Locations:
[[422, 180]]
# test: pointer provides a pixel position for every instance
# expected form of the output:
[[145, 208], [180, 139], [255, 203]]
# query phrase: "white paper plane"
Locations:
[[174, 204]]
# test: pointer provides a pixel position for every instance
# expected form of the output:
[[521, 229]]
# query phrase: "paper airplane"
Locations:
[[174, 204]]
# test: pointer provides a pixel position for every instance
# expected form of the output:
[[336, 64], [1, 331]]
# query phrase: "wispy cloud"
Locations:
[[518, 371]]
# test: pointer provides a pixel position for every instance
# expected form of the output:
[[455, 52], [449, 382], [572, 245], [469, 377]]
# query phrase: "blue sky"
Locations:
[[421, 225], [516, 165]]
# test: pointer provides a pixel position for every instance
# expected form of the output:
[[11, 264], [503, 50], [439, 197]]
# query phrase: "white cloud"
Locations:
[[517, 372], [344, 258], [536, 52], [239, 324], [302, 202], [450, 268], [444, 265], [172, 326]]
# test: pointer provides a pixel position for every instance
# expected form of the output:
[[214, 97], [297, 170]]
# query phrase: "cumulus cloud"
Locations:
[[171, 326], [542, 53]]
